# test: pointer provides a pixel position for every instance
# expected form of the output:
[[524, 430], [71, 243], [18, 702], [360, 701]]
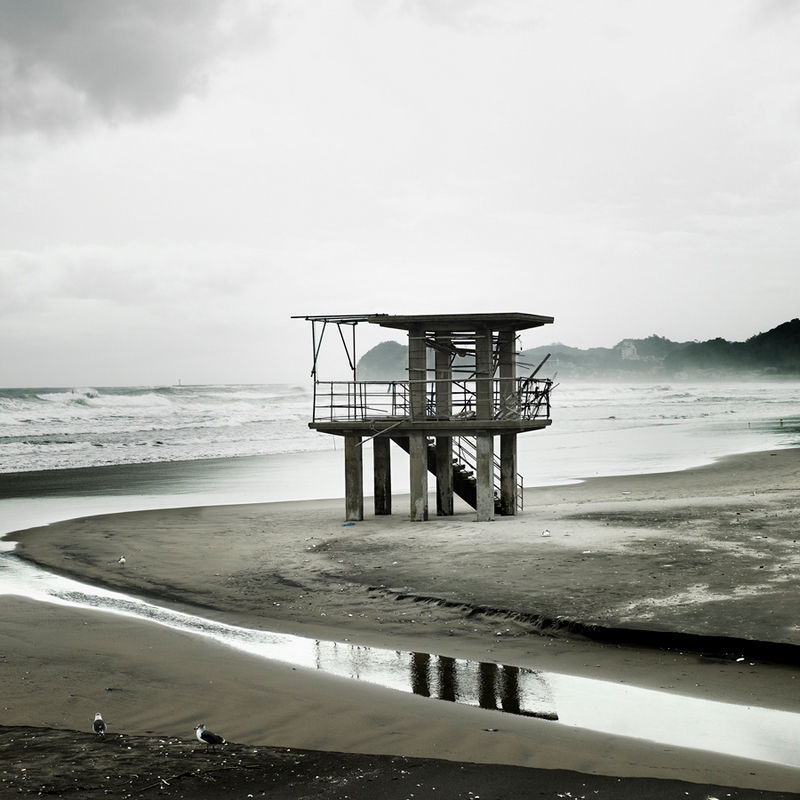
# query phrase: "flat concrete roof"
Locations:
[[466, 323], [449, 323]]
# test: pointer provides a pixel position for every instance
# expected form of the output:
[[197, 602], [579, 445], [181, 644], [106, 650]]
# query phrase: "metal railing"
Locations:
[[353, 401], [465, 454]]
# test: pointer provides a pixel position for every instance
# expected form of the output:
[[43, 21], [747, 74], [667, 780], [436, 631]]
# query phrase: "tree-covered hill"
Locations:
[[776, 352], [387, 361]]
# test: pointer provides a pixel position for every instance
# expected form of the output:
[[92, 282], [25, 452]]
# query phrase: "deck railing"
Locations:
[[361, 401]]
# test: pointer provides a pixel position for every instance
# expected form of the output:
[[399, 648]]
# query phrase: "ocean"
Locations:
[[71, 451], [597, 428], [42, 429]]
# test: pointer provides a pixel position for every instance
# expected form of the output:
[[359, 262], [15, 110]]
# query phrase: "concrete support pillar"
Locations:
[[444, 377], [508, 474], [484, 374], [444, 476], [444, 444], [509, 410], [418, 443], [484, 446], [507, 368], [418, 458], [382, 467], [417, 373], [353, 478], [484, 476]]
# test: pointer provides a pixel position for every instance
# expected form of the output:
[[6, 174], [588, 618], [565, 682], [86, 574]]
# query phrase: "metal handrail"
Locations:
[[465, 453], [336, 401]]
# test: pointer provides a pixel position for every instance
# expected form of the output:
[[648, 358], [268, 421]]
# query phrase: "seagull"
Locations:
[[98, 726], [207, 737], [122, 561]]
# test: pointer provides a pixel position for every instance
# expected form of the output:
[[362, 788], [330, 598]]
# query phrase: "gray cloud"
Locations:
[[474, 15], [770, 10], [66, 63]]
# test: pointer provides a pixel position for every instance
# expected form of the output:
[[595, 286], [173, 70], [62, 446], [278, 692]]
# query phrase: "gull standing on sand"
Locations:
[[122, 561], [208, 737], [99, 726]]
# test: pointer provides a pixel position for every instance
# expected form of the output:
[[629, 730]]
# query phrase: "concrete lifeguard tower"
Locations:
[[462, 392]]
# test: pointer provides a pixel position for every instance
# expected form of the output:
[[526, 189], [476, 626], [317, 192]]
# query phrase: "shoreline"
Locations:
[[294, 567], [731, 507]]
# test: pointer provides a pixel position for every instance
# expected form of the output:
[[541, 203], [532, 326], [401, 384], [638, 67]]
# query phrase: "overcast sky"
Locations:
[[178, 178]]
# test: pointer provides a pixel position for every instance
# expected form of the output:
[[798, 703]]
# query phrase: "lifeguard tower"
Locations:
[[462, 391]]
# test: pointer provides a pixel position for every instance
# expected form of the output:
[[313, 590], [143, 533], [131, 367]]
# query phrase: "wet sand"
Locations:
[[710, 555]]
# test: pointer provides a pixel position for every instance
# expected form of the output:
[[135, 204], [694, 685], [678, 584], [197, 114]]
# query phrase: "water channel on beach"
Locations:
[[619, 709]]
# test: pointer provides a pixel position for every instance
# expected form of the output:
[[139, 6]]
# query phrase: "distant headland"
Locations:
[[774, 353]]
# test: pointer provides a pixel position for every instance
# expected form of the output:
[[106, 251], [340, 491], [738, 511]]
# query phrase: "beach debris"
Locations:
[[347, 524], [207, 737], [545, 532], [99, 726], [122, 561]]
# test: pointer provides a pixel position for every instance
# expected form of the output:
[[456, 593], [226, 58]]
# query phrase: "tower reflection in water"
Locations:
[[486, 684]]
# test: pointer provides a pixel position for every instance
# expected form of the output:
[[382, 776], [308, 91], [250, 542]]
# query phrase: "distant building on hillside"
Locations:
[[628, 350]]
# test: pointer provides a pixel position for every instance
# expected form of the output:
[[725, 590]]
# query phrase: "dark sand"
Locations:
[[663, 579]]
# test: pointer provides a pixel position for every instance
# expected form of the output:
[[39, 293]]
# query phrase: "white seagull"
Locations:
[[207, 737], [98, 726], [122, 561]]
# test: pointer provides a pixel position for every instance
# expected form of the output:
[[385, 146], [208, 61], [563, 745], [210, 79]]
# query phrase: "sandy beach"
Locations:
[[685, 581]]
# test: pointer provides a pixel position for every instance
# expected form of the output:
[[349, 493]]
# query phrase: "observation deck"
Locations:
[[462, 391]]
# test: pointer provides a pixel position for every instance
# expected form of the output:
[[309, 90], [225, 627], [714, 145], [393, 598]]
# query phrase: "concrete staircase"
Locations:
[[464, 483]]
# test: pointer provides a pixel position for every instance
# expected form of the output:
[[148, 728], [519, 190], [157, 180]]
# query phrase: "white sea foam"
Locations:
[[598, 429], [62, 429]]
